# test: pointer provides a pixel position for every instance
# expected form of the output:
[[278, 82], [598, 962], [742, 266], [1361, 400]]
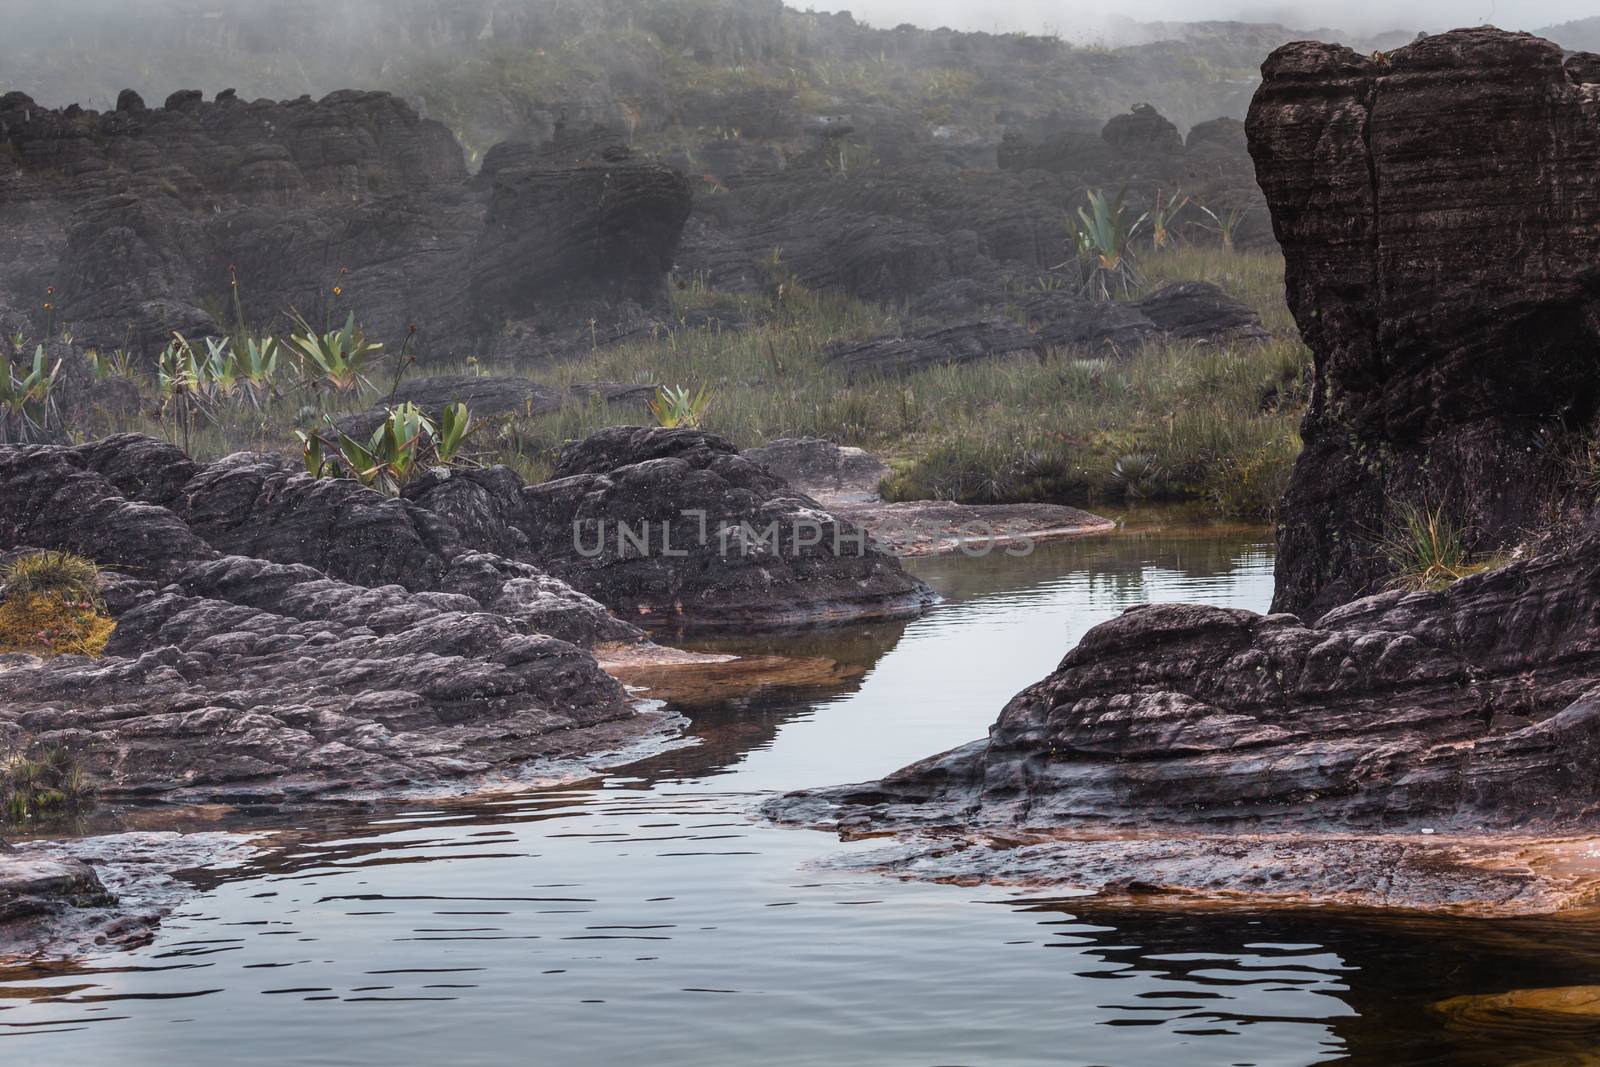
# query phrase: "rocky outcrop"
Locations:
[[278, 635], [250, 681], [1444, 377], [1050, 317], [32, 886], [1461, 713], [676, 530], [141, 220], [1143, 134], [965, 343], [1201, 312], [143, 506]]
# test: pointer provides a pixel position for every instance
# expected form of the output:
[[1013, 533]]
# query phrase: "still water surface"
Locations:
[[647, 918]]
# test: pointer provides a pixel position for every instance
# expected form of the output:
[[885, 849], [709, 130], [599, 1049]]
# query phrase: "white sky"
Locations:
[[1069, 17]]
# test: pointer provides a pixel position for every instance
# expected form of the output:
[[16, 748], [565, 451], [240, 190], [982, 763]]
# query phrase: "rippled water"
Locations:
[[647, 919]]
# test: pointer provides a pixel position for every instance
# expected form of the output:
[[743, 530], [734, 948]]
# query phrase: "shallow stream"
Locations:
[[647, 918]]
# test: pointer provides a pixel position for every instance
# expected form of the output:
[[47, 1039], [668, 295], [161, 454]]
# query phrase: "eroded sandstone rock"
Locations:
[[676, 529], [141, 220], [283, 636], [1443, 376], [1472, 712]]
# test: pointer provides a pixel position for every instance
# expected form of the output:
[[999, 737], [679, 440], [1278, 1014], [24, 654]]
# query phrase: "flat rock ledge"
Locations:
[[939, 528], [1409, 750], [60, 899], [845, 480]]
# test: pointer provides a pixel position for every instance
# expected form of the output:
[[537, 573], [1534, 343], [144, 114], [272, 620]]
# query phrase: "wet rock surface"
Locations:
[[1471, 711], [32, 886], [108, 891], [1439, 380]]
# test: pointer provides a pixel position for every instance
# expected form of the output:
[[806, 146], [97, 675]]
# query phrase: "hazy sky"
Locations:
[[1067, 16]]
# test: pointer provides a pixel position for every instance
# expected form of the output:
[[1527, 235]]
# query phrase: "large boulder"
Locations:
[[1439, 211], [1143, 133], [676, 530]]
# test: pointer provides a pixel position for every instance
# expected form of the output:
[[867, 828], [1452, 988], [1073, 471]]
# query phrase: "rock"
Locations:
[[1440, 380], [1051, 318], [278, 635], [1563, 1010], [32, 886], [249, 681], [829, 473], [965, 343], [111, 891], [579, 235], [1472, 712], [142, 218], [677, 530], [1143, 134], [1200, 311]]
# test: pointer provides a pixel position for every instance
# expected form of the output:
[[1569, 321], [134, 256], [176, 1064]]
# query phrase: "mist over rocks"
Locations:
[[137, 222]]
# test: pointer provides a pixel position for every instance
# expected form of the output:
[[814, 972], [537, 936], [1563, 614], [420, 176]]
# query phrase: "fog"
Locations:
[[1079, 19]]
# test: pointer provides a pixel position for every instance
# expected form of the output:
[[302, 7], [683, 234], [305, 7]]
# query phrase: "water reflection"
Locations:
[[646, 916]]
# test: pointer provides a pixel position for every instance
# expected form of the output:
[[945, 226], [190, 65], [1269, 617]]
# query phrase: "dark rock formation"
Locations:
[[1050, 318], [141, 218], [1199, 311], [85, 895], [249, 680], [718, 542], [1143, 134], [406, 654], [966, 343], [142, 506], [1470, 710], [1446, 737], [894, 231], [1444, 377]]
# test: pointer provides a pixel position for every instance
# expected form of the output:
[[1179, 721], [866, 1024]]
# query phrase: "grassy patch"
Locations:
[[50, 605], [45, 782], [1427, 549], [1173, 421]]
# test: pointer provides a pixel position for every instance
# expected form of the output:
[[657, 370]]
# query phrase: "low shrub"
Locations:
[[1424, 547], [43, 783]]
